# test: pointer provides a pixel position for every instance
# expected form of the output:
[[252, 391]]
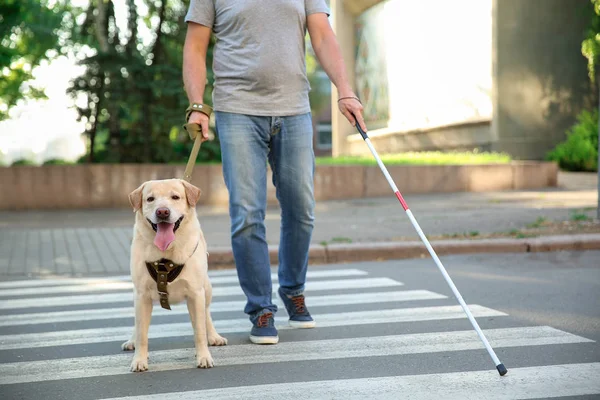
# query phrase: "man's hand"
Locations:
[[351, 107], [201, 119]]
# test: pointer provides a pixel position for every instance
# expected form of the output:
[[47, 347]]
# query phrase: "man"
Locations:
[[262, 112]]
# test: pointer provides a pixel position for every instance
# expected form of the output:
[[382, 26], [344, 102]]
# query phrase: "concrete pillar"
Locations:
[[344, 13], [343, 26]]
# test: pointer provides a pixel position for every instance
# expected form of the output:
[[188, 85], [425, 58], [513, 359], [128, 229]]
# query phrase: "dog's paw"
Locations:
[[216, 340], [139, 364], [204, 361], [128, 345]]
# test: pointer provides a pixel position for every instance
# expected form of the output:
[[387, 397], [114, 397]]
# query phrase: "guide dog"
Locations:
[[168, 243]]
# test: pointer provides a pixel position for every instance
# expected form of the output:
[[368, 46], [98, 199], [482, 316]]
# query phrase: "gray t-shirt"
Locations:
[[259, 56]]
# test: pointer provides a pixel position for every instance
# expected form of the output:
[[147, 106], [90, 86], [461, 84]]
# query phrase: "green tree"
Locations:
[[134, 90], [28, 30], [590, 47]]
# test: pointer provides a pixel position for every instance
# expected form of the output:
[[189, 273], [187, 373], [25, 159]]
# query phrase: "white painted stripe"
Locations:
[[115, 286], [121, 333], [216, 277], [61, 281], [89, 288], [166, 360], [217, 306], [521, 383], [364, 283], [75, 280], [222, 272]]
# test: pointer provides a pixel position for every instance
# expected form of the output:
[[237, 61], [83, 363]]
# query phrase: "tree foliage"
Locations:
[[590, 47], [28, 30], [133, 86], [579, 152], [131, 95]]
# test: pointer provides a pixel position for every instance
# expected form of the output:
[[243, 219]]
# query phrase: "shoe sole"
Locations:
[[264, 339], [302, 324]]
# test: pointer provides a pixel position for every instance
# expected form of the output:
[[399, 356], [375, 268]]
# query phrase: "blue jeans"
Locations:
[[247, 143]]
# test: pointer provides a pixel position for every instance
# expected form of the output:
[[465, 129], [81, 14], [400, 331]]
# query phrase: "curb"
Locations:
[[222, 257]]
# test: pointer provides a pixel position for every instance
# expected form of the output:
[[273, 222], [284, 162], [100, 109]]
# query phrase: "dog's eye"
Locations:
[[150, 199], [175, 197]]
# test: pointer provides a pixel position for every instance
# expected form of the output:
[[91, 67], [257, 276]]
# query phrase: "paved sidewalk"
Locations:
[[97, 241]]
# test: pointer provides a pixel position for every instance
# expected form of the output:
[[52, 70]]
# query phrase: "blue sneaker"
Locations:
[[296, 309], [263, 330]]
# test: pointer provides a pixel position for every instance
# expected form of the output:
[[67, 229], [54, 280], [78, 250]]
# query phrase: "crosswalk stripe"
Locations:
[[218, 291], [74, 280], [219, 306], [109, 334], [96, 287], [233, 290], [216, 277], [165, 360], [521, 383]]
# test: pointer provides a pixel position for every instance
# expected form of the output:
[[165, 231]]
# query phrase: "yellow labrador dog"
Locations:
[[167, 239]]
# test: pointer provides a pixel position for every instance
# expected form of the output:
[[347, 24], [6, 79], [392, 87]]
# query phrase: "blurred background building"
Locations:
[[500, 75]]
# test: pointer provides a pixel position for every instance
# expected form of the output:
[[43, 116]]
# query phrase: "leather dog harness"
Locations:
[[164, 271]]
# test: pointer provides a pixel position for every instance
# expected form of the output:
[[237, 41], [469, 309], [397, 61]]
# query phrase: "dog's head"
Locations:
[[165, 204]]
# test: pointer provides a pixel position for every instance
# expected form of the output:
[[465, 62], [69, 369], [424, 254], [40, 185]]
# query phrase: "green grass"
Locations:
[[576, 216], [421, 158], [341, 240], [520, 235], [538, 223]]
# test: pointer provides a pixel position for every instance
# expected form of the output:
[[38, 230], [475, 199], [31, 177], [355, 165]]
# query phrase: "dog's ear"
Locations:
[[192, 193], [135, 198]]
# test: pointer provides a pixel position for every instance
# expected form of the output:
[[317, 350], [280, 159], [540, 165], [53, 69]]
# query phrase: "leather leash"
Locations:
[[195, 132]]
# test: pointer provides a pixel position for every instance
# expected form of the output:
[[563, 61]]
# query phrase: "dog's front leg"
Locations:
[[143, 314], [196, 306], [214, 339]]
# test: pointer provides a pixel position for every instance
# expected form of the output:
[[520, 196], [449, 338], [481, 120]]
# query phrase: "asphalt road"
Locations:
[[391, 330]]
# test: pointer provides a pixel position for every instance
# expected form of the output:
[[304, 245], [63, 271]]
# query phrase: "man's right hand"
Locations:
[[201, 119]]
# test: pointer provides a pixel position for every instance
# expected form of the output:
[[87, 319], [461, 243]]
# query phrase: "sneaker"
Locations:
[[296, 309], [263, 330]]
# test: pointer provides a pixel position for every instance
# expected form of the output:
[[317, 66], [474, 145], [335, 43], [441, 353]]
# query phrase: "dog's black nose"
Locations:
[[163, 212]]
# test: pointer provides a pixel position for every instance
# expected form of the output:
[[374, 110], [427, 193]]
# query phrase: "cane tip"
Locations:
[[501, 369]]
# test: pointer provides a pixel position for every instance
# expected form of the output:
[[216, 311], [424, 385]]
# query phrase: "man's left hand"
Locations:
[[351, 107]]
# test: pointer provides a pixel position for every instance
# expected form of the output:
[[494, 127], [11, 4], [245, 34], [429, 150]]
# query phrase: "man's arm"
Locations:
[[329, 55], [194, 70]]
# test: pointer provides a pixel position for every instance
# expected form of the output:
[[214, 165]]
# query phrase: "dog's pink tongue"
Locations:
[[164, 235]]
